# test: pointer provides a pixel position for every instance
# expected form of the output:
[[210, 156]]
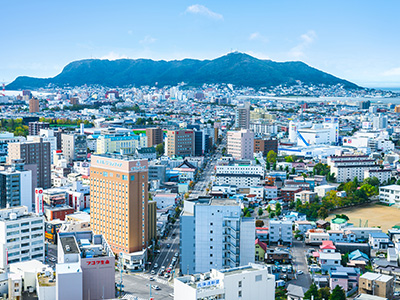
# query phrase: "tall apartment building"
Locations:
[[376, 284], [36, 156], [280, 232], [34, 105], [154, 136], [241, 144], [5, 139], [265, 145], [119, 201], [21, 236], [347, 167], [47, 135], [242, 116], [180, 143], [34, 127], [16, 186], [74, 147], [120, 144], [213, 235]]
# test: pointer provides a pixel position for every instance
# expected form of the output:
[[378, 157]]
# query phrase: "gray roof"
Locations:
[[296, 290]]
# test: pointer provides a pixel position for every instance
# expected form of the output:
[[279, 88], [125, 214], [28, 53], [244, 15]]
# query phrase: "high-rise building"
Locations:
[[74, 147], [380, 122], [154, 136], [119, 201], [214, 235], [34, 127], [265, 145], [152, 221], [241, 144], [5, 139], [34, 105], [242, 116], [180, 143], [47, 135], [16, 186], [36, 154], [21, 236]]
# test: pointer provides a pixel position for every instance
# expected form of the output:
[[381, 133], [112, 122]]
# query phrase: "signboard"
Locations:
[[207, 283], [98, 262], [39, 207]]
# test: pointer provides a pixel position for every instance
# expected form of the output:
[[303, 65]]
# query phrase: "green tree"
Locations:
[[272, 214], [324, 293], [259, 223], [271, 157], [269, 209], [293, 171], [312, 293], [369, 190], [372, 181], [260, 211], [160, 149], [274, 166], [323, 213], [338, 294], [268, 165]]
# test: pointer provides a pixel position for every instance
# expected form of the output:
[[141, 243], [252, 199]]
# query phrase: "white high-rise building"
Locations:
[[307, 133], [21, 236], [47, 135], [241, 144], [215, 236], [242, 116], [380, 122]]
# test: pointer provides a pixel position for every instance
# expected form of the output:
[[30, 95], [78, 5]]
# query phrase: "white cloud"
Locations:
[[256, 36], [130, 32], [147, 40], [306, 40], [113, 56], [202, 10], [392, 72]]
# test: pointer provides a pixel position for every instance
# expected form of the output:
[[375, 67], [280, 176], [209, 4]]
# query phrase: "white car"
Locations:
[[156, 265], [300, 272]]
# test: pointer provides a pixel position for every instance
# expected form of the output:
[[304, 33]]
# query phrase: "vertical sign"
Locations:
[[39, 208]]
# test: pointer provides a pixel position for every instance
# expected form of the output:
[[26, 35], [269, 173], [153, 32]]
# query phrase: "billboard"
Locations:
[[39, 207]]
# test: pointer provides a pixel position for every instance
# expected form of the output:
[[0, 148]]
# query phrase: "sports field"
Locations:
[[375, 214]]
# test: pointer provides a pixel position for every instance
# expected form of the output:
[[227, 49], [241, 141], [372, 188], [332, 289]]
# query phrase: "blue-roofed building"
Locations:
[[358, 255], [378, 240]]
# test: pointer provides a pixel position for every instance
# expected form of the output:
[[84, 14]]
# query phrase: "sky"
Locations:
[[355, 40]]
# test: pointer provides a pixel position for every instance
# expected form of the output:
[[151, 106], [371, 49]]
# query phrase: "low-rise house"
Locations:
[[277, 255], [303, 226], [295, 292], [305, 197], [338, 223], [316, 236], [262, 233], [328, 260], [260, 248], [376, 284], [346, 277], [358, 255], [271, 192], [378, 240]]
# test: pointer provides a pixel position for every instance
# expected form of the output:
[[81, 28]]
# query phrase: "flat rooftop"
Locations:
[[69, 245], [220, 202]]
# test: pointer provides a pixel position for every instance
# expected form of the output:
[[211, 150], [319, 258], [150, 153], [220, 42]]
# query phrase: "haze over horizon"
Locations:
[[354, 40]]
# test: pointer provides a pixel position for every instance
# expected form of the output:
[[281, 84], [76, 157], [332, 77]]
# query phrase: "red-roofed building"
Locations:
[[327, 247], [260, 248]]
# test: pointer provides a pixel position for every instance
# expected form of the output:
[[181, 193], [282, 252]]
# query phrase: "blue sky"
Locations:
[[355, 40]]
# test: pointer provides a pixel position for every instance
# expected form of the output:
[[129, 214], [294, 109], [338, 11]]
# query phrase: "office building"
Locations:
[[157, 172], [154, 136], [346, 167], [249, 282], [180, 143], [241, 144], [16, 186], [120, 144], [265, 145], [36, 156], [152, 221], [214, 235], [95, 259], [34, 105], [242, 116], [240, 174], [280, 232], [380, 122], [47, 135], [74, 147], [5, 139], [118, 201], [34, 127], [364, 104], [376, 284], [21, 236]]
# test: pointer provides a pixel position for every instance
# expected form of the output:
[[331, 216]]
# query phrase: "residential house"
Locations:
[[260, 248], [378, 240]]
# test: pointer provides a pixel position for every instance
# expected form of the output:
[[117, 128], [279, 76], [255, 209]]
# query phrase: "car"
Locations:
[[174, 259], [176, 254], [151, 278], [52, 259], [166, 275], [168, 246], [155, 287], [152, 272], [156, 265], [299, 272], [163, 268], [169, 270], [171, 295]]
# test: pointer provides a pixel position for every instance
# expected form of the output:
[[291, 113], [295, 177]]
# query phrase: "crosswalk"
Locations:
[[156, 278], [132, 297]]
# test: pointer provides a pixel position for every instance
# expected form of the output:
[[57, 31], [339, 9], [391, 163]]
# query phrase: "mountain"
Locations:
[[236, 68]]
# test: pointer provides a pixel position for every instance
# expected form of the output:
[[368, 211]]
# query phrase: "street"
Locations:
[[300, 263]]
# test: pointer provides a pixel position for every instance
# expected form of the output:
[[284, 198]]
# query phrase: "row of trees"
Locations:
[[15, 126], [324, 293]]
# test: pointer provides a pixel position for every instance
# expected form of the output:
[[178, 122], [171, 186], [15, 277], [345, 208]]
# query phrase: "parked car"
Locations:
[[151, 278], [300, 272], [156, 265], [155, 287], [176, 254], [152, 272], [166, 275]]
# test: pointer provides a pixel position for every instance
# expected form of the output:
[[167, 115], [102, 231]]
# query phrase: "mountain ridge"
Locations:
[[239, 69]]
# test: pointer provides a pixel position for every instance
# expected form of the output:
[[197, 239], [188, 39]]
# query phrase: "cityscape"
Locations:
[[154, 175]]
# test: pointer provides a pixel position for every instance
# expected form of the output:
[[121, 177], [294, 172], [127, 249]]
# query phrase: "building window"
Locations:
[[240, 294], [240, 284], [258, 277]]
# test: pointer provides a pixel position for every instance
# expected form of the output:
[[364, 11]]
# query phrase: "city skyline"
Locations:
[[354, 41]]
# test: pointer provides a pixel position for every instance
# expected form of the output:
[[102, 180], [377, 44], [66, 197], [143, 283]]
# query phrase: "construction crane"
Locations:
[[4, 90]]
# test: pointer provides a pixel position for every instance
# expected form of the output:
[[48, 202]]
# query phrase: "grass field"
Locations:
[[376, 214]]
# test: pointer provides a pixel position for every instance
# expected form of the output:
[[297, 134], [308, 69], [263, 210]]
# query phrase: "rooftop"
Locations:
[[69, 245]]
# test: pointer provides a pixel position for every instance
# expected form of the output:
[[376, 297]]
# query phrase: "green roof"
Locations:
[[339, 221]]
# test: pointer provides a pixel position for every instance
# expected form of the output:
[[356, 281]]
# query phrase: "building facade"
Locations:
[[242, 116], [241, 144], [180, 143], [74, 147], [154, 136], [265, 145], [34, 127]]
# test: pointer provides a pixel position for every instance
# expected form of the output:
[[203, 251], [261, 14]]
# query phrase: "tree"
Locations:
[[312, 293], [278, 206], [372, 181], [338, 293], [260, 211], [259, 223], [160, 149], [342, 216], [269, 209], [290, 158], [323, 213], [369, 190], [268, 165], [293, 171], [274, 166], [272, 214], [324, 293], [271, 157]]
